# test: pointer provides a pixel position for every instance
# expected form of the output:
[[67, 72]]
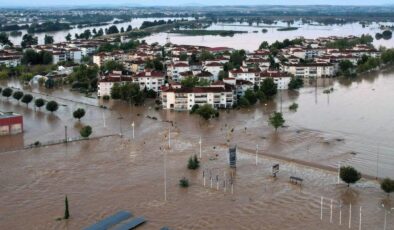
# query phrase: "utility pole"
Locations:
[[165, 175], [120, 125], [359, 225], [350, 215], [65, 133], [377, 163], [169, 138], [132, 125]]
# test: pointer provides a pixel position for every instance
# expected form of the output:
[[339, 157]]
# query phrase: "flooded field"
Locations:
[[101, 177], [59, 36], [350, 126], [251, 41]]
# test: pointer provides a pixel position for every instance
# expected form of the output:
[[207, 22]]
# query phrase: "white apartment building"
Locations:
[[311, 70], [174, 70], [281, 79], [186, 98], [10, 61], [246, 74], [214, 68], [151, 80], [105, 84]]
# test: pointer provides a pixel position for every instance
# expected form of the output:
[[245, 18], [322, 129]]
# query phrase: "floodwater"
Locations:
[[251, 41], [351, 126], [59, 36]]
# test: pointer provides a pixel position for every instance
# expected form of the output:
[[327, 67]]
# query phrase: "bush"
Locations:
[[349, 175], [184, 183], [7, 92], [194, 108], [106, 97], [293, 107], [17, 95], [296, 83], [39, 102], [193, 163], [387, 186], [27, 98], [276, 120], [207, 111], [79, 113], [86, 131]]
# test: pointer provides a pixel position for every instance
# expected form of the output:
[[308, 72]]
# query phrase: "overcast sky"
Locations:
[[189, 2]]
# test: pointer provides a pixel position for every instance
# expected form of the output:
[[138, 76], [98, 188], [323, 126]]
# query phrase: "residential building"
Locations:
[[178, 98], [150, 80], [310, 70]]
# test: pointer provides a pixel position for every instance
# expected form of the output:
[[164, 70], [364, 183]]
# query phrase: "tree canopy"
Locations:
[[52, 106], [79, 113], [276, 120], [349, 175], [387, 185], [17, 95], [86, 131], [27, 98]]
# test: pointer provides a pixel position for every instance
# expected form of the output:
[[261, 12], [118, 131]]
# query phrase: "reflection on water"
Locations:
[[251, 41], [59, 36], [352, 124]]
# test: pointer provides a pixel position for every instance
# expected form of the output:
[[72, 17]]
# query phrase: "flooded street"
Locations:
[[351, 126]]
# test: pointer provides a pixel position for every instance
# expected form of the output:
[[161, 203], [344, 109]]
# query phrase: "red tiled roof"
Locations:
[[152, 74]]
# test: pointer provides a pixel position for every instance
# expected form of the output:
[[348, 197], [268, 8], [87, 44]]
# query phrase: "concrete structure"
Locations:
[[106, 83], [178, 98], [310, 70], [10, 123], [151, 80]]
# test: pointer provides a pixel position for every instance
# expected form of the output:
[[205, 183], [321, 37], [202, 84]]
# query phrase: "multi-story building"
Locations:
[[174, 70], [106, 83], [178, 98], [150, 80], [246, 74], [281, 79], [214, 68], [310, 70]]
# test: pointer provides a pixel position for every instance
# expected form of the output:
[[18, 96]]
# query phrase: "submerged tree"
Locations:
[[86, 131], [349, 175], [27, 98], [17, 95], [52, 106], [193, 163], [7, 92], [276, 120], [79, 113], [387, 186], [66, 211], [39, 103]]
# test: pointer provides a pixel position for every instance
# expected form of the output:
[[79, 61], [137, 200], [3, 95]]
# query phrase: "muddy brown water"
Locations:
[[352, 126]]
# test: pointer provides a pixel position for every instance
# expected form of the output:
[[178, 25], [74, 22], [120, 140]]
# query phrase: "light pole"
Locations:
[[169, 138], [132, 125], [385, 216]]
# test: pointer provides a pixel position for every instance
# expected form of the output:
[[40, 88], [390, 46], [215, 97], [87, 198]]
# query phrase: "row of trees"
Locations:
[[350, 175], [51, 106]]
